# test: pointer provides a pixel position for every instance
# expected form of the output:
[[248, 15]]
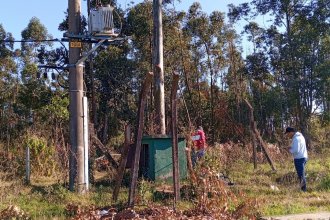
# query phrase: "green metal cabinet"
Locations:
[[156, 158]]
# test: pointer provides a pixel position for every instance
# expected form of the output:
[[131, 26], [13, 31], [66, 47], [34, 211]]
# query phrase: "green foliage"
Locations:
[[212, 160], [285, 77], [320, 134], [279, 202], [36, 144], [5, 47], [325, 183], [29, 72], [145, 191], [34, 31], [101, 196], [283, 209], [42, 161], [58, 108]]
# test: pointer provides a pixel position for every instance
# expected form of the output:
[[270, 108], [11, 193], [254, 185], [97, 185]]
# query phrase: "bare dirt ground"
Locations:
[[306, 216]]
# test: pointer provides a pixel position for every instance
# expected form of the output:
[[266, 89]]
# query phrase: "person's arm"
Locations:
[[294, 146]]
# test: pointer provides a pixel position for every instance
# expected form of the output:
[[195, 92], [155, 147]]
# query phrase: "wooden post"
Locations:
[[104, 150], [175, 153], [123, 161], [254, 144], [138, 138], [27, 165], [257, 134]]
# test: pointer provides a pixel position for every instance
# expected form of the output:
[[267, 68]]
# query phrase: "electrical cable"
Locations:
[[20, 41]]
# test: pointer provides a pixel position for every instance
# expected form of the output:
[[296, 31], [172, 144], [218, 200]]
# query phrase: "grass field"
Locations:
[[276, 193]]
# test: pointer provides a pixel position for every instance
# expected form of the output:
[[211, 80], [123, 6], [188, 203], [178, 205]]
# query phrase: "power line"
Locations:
[[30, 40]]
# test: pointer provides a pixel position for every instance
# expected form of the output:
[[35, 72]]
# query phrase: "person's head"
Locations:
[[200, 128], [289, 132]]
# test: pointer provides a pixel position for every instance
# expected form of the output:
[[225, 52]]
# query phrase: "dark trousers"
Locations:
[[300, 168], [196, 155]]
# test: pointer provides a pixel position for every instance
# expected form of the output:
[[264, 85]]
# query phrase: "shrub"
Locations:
[[325, 183], [42, 162]]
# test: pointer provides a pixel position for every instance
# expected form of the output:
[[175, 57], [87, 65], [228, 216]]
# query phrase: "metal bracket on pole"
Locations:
[[83, 58]]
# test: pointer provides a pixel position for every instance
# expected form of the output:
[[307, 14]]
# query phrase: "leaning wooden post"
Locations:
[[138, 138], [105, 151], [254, 144], [257, 134], [175, 154], [122, 165]]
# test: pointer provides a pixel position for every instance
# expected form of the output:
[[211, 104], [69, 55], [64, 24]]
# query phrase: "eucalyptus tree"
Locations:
[[26, 95], [139, 25], [323, 93], [293, 43], [207, 45], [262, 81], [34, 92], [8, 70], [115, 83], [234, 87]]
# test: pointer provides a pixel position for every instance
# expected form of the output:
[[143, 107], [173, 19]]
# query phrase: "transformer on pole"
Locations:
[[101, 30], [101, 21]]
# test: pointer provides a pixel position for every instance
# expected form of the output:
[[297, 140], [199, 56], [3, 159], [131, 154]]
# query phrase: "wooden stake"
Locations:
[[175, 154], [123, 161], [257, 134], [138, 138]]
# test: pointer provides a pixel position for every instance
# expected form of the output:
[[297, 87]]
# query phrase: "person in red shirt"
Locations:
[[199, 140]]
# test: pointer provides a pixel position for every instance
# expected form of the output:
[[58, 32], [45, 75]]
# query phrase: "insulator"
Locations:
[[53, 76]]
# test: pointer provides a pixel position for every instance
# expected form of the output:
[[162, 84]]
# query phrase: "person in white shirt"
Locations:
[[299, 152]]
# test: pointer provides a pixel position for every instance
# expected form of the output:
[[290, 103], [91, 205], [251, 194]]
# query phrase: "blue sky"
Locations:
[[15, 17]]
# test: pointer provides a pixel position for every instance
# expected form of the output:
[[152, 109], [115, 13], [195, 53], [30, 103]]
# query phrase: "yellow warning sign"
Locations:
[[75, 44]]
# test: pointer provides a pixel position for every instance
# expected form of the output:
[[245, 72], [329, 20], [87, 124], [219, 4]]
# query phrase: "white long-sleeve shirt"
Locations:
[[298, 146]]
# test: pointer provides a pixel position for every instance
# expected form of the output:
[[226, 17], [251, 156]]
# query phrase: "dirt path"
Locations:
[[306, 216]]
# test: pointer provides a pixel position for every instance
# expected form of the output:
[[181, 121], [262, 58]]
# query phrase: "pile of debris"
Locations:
[[154, 212], [13, 212]]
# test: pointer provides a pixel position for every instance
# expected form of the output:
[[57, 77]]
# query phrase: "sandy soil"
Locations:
[[306, 216]]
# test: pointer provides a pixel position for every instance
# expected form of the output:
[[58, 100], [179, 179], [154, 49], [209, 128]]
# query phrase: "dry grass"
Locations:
[[255, 190]]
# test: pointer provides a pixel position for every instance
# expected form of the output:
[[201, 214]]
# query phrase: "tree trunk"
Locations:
[[138, 138], [158, 67]]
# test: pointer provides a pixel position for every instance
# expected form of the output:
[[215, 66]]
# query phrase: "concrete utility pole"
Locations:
[[158, 66], [76, 102]]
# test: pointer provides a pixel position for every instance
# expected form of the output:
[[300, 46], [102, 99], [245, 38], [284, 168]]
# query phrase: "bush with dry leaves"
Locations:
[[14, 212]]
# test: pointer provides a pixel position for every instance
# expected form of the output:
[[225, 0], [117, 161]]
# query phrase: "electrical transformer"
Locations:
[[101, 21]]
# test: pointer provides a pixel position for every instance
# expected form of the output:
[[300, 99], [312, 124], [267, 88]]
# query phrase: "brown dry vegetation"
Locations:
[[227, 187]]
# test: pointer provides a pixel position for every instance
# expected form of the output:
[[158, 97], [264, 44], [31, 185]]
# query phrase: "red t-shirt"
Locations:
[[201, 142]]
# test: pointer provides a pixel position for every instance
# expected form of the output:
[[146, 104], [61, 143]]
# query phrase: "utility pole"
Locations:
[[76, 173], [158, 66]]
